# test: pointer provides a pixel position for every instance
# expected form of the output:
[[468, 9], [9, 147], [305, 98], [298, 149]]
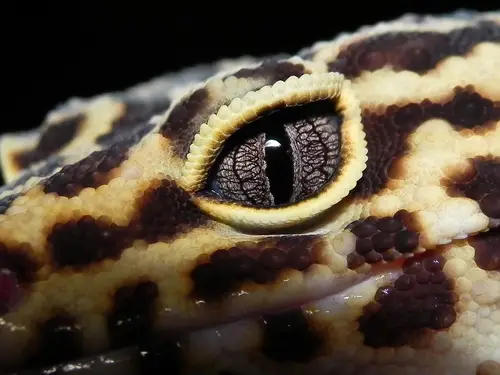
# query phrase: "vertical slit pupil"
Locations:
[[279, 164]]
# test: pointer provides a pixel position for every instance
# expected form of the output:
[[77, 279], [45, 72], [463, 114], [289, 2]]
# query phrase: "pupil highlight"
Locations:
[[279, 164]]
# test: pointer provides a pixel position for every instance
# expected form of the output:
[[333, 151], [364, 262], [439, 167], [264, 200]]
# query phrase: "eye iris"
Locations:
[[283, 157], [315, 141], [239, 173]]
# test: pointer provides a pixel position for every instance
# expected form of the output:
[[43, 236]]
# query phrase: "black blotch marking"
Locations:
[[488, 367], [272, 70], [17, 270], [81, 242], [228, 269], [182, 124], [10, 291], [131, 320], [19, 261], [60, 340], [136, 116], [480, 182], [130, 323], [54, 138], [383, 239], [91, 171], [41, 170], [163, 212], [415, 51], [128, 137], [288, 337], [387, 133], [187, 116], [421, 301], [6, 201], [138, 111], [487, 249], [51, 164]]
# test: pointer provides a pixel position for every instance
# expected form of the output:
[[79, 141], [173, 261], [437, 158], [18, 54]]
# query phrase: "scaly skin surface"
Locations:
[[109, 263]]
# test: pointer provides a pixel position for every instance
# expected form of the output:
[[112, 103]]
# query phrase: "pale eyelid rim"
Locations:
[[306, 90]]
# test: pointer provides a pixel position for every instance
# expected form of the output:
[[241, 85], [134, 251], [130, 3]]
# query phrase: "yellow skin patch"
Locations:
[[111, 240]]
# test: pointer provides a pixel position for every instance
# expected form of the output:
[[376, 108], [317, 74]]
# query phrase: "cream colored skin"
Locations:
[[331, 294]]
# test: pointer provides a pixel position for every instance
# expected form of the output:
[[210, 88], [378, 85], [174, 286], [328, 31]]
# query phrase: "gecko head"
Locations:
[[210, 224]]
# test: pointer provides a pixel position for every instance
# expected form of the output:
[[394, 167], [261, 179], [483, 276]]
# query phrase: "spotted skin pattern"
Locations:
[[108, 264]]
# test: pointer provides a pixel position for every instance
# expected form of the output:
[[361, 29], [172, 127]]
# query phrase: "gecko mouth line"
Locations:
[[136, 359]]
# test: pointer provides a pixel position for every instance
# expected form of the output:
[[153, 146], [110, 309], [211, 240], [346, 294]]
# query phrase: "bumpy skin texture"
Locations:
[[102, 251]]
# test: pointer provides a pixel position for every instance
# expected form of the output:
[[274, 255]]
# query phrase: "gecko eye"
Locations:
[[280, 155], [281, 158]]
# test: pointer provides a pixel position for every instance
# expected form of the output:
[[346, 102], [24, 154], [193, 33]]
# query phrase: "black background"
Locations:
[[81, 49]]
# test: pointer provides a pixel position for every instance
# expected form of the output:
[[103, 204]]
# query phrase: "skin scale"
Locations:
[[110, 263]]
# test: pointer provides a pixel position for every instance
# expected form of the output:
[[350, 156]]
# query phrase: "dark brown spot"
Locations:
[[227, 269], [131, 320], [135, 117], [365, 228], [43, 169], [387, 238], [490, 205], [19, 261], [480, 181], [137, 111], [82, 242], [490, 367], [411, 50], [289, 337], [10, 291], [387, 133], [182, 124], [420, 301], [272, 71], [6, 201], [92, 171], [164, 211], [487, 249], [17, 269], [60, 339], [53, 139], [187, 116], [130, 137]]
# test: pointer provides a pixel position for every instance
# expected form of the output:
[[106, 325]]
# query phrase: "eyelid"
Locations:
[[314, 87], [242, 111]]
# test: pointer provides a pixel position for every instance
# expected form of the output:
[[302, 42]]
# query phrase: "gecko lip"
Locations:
[[171, 321], [132, 360]]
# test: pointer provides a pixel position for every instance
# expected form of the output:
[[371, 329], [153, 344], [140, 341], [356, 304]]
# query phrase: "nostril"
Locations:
[[10, 291]]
